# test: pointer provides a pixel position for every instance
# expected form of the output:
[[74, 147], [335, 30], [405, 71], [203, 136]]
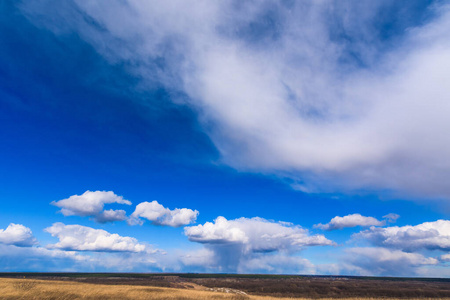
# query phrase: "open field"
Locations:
[[212, 286], [50, 289]]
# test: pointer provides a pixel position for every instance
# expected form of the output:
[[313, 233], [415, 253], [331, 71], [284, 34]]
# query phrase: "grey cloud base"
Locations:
[[239, 245]]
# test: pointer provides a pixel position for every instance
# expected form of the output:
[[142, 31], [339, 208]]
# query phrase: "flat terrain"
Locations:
[[214, 286]]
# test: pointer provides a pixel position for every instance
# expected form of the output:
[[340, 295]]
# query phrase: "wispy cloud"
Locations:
[[391, 218]]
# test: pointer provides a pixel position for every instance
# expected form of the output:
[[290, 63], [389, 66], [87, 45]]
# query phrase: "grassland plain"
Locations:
[[23, 288], [13, 288], [293, 286]]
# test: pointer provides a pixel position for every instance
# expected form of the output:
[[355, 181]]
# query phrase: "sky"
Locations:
[[280, 137]]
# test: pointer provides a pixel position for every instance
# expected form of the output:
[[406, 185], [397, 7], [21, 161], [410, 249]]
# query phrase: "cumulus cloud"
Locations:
[[90, 204], [428, 235], [259, 235], [18, 235], [350, 221], [314, 91], [159, 215], [82, 238], [382, 261], [235, 243]]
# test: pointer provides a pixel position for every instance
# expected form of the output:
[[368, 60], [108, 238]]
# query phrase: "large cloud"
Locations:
[[238, 244], [91, 204], [428, 235], [382, 261], [159, 215], [321, 92], [350, 221], [82, 238], [18, 235]]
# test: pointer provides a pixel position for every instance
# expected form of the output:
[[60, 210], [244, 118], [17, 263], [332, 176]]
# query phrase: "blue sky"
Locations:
[[257, 137]]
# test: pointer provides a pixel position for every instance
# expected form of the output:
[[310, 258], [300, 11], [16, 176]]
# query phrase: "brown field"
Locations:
[[52, 289], [233, 288]]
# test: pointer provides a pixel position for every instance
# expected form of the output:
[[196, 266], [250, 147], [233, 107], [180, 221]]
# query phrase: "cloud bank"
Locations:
[[159, 215], [90, 204], [402, 251], [428, 235], [37, 259], [382, 261]]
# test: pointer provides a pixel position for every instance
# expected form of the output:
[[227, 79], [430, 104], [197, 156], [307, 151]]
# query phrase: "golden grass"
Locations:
[[67, 290]]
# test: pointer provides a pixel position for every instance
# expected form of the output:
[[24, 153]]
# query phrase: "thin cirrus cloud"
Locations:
[[428, 235], [237, 245], [333, 103], [82, 238], [91, 204], [353, 221], [160, 215], [17, 235]]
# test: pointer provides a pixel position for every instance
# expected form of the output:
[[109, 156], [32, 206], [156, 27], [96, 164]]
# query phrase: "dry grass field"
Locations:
[[12, 288], [67, 290]]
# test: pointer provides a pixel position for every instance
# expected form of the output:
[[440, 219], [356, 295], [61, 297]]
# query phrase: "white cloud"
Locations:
[[321, 96], [81, 238], [221, 231], [428, 235], [237, 244], [257, 234], [159, 215], [382, 261], [350, 221], [90, 204], [18, 235]]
